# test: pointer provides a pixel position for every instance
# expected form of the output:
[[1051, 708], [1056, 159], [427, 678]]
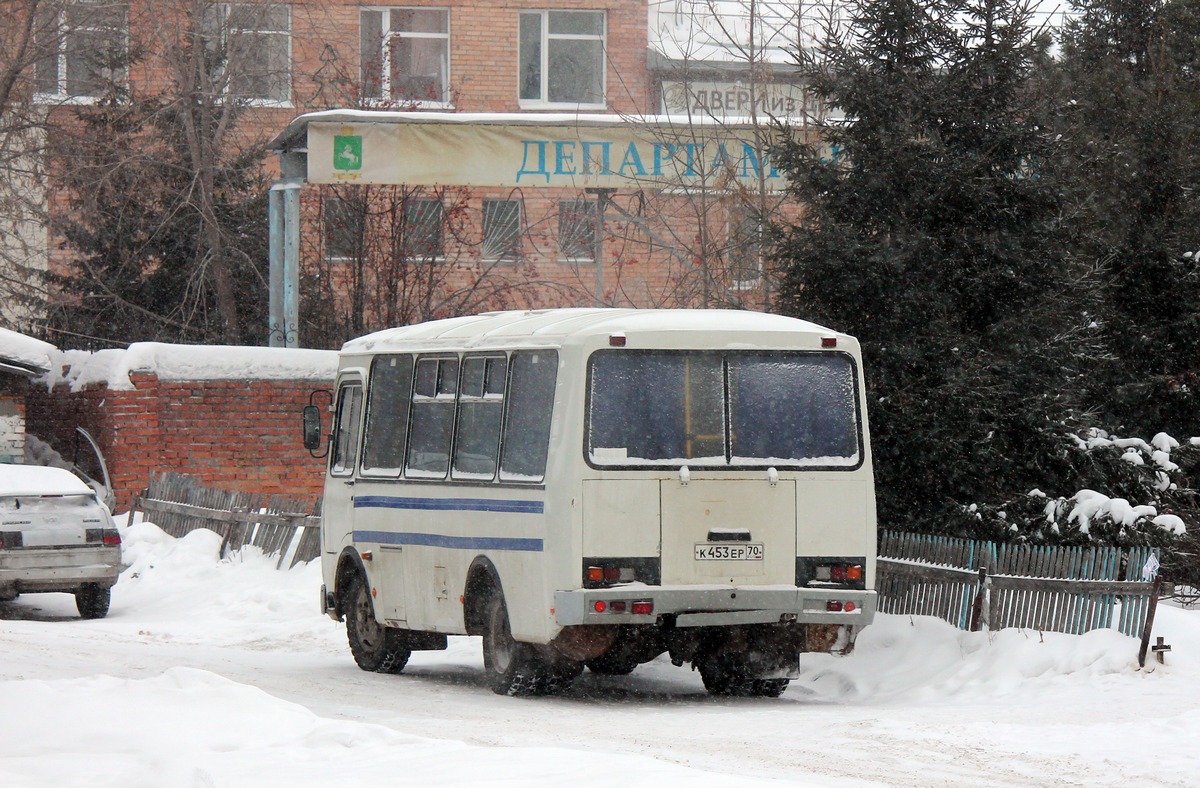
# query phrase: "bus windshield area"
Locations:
[[662, 408]]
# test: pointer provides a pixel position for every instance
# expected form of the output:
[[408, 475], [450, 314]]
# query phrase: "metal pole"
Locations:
[[275, 331], [602, 196], [284, 282]]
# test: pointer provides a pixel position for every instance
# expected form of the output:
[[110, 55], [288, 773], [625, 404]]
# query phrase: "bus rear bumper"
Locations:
[[704, 606]]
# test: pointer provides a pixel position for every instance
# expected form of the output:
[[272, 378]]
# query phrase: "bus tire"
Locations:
[[513, 667], [376, 648], [724, 676], [613, 664]]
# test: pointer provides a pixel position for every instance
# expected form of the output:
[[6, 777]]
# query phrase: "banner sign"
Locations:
[[735, 99], [619, 156]]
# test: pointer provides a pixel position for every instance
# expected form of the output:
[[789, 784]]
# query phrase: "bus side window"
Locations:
[[388, 398], [480, 407], [345, 435], [432, 418], [529, 403]]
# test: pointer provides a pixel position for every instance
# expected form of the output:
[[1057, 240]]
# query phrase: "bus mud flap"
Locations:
[[583, 643]]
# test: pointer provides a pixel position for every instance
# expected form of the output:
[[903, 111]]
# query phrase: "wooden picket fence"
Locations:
[[1057, 589], [286, 527]]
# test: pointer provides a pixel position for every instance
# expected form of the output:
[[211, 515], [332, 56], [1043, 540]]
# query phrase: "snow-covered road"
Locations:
[[211, 672]]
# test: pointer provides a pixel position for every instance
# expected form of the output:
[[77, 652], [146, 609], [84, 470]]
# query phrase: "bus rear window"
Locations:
[[722, 409]]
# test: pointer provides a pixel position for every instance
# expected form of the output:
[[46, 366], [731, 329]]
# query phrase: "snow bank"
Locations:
[[26, 351], [919, 702]]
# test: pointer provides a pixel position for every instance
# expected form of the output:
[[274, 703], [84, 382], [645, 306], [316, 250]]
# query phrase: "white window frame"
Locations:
[[62, 47], [385, 55], [223, 9], [543, 102]]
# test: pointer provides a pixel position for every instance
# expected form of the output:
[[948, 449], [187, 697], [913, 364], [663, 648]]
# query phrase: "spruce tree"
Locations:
[[1131, 127], [931, 233]]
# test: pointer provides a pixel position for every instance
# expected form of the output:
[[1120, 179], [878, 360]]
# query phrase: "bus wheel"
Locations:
[[613, 663], [724, 676], [376, 648], [513, 668]]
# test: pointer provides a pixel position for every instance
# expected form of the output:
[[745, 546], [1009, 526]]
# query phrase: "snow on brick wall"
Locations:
[[240, 433]]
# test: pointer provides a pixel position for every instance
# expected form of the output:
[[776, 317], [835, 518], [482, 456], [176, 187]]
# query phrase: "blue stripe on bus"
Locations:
[[455, 542], [448, 504]]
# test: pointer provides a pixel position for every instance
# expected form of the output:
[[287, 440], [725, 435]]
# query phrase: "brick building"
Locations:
[[376, 257]]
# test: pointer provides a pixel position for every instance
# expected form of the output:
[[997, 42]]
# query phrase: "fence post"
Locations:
[[977, 608], [1149, 621]]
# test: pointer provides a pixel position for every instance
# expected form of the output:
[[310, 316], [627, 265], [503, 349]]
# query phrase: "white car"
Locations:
[[55, 535]]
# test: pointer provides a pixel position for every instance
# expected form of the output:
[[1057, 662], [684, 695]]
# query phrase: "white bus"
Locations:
[[598, 487]]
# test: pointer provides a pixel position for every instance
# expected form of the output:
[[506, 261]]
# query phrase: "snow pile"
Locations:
[[212, 672], [112, 367]]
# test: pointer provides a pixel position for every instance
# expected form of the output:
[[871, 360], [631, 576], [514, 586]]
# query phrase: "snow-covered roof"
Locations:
[[193, 362], [554, 326], [24, 354]]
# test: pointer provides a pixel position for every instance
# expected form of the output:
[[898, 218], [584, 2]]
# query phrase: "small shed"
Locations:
[[22, 358]]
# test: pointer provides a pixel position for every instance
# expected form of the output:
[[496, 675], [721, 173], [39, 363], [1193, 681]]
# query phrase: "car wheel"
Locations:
[[92, 599], [376, 648]]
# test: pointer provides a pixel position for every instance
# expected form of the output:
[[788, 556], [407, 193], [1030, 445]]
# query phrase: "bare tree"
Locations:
[[31, 37], [178, 161], [722, 66], [395, 255]]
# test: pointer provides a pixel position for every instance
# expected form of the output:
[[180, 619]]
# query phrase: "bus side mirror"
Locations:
[[312, 427]]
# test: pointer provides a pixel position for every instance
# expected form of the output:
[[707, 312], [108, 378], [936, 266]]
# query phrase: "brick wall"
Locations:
[[12, 428], [234, 434]]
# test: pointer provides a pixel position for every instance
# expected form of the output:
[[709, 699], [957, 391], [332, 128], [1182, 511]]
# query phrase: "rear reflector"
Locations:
[[644, 608], [833, 606]]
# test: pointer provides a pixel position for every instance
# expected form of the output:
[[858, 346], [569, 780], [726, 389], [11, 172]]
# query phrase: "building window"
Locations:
[[344, 221], [562, 57], [745, 247], [84, 49], [501, 229], [577, 229], [251, 45], [423, 229], [406, 54]]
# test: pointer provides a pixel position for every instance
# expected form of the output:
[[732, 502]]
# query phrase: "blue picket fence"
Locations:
[[1059, 589]]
